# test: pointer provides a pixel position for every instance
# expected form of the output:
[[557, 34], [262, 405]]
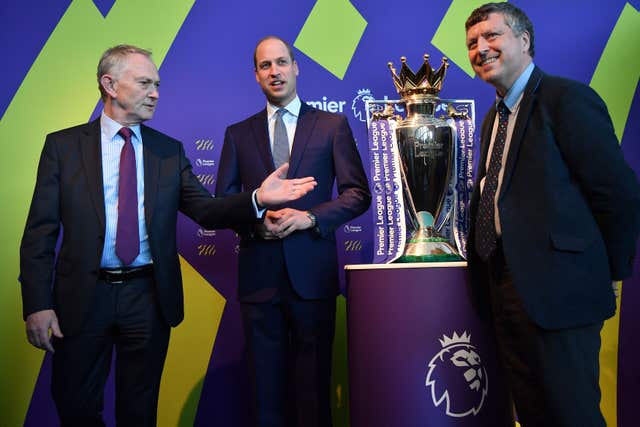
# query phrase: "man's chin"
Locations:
[[276, 99], [146, 116], [488, 76]]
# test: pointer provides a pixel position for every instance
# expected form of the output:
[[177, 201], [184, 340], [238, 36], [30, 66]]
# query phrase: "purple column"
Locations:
[[418, 353]]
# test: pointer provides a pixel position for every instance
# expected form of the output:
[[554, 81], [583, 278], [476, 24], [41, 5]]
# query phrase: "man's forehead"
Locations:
[[139, 64], [272, 48], [493, 20]]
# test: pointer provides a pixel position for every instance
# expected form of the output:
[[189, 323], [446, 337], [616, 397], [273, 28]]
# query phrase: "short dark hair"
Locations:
[[255, 51], [112, 59], [514, 17]]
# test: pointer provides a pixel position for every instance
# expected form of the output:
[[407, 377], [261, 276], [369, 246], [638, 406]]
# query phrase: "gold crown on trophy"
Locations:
[[426, 81]]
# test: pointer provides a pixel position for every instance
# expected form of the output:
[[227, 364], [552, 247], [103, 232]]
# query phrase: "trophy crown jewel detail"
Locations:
[[426, 81]]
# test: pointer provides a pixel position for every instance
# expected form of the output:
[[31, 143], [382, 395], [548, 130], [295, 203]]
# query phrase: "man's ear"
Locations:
[[108, 83], [526, 41]]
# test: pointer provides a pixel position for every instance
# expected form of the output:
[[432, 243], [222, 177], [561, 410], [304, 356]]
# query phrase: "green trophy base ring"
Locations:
[[429, 249]]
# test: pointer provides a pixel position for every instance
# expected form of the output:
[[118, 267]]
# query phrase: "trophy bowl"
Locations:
[[425, 144]]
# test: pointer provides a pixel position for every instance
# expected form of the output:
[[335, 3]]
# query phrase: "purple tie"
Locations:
[[127, 236], [486, 236]]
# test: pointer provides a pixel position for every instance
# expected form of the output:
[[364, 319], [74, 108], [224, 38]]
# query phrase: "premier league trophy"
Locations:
[[425, 144]]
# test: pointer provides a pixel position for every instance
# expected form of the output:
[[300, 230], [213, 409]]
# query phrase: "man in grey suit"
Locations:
[[114, 187]]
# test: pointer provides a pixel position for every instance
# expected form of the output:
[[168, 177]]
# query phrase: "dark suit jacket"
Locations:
[[323, 147], [569, 205], [69, 195]]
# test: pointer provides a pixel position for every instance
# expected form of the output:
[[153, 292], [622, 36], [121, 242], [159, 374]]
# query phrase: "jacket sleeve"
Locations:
[[354, 196], [37, 249], [588, 142], [208, 211]]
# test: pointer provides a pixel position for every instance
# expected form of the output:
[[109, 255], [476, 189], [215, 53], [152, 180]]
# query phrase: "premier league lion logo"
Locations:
[[456, 376], [358, 105]]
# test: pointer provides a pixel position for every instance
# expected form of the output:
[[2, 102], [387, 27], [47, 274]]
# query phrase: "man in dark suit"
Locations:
[[114, 187], [288, 278], [554, 220]]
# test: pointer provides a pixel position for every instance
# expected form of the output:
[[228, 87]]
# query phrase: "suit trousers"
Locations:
[[553, 375], [289, 345], [125, 317]]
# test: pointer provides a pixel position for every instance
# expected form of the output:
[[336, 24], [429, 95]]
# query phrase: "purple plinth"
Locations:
[[403, 372]]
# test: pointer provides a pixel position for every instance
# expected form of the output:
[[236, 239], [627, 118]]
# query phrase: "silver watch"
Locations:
[[313, 219]]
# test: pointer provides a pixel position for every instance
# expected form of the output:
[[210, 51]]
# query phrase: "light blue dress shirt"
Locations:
[[111, 144], [515, 92]]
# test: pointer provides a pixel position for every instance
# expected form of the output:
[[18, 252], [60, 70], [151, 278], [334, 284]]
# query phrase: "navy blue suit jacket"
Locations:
[[324, 148], [69, 192], [569, 205]]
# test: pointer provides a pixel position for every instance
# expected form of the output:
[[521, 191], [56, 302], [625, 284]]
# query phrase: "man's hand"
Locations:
[[288, 220], [267, 229], [615, 285], [38, 325], [275, 189]]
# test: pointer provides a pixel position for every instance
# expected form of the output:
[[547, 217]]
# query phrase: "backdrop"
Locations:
[[204, 51]]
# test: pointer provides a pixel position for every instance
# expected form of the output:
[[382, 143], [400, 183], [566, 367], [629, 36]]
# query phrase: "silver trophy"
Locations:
[[426, 151]]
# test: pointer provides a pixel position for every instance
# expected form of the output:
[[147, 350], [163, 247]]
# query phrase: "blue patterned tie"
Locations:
[[280, 140], [127, 236], [486, 236]]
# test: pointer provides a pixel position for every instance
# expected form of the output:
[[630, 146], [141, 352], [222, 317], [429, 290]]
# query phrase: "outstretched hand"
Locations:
[[38, 325], [276, 189]]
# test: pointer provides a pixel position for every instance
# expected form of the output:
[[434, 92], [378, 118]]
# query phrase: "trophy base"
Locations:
[[426, 246]]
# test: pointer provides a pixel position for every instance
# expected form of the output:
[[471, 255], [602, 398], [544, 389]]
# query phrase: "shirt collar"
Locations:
[[292, 108], [515, 93], [110, 127]]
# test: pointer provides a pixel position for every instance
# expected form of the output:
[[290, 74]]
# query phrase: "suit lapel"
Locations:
[[304, 128], [260, 129], [90, 147], [151, 173], [524, 115]]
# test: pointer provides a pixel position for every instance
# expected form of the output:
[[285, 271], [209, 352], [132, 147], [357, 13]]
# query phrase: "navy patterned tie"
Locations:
[[486, 236], [280, 140], [127, 236]]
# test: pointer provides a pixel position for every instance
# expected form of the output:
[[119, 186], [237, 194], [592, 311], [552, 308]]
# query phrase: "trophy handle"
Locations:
[[410, 207], [444, 220]]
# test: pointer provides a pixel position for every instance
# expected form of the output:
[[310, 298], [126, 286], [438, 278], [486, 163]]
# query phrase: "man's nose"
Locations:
[[483, 45]]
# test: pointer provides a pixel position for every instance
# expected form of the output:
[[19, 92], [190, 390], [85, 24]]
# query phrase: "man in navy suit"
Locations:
[[554, 221], [288, 276], [117, 287]]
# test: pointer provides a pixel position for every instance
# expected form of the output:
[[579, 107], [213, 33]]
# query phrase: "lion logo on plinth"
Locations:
[[457, 377]]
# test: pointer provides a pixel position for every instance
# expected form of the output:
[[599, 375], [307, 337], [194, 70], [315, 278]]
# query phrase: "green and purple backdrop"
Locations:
[[204, 51]]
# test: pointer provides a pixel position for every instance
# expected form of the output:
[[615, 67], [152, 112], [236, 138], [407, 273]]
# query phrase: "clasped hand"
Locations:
[[279, 224]]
